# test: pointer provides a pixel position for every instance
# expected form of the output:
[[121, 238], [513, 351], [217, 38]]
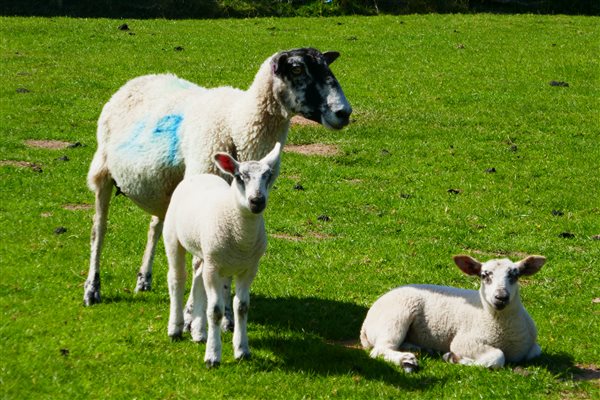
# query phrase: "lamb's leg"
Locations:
[[144, 278], [176, 278], [408, 361], [213, 285], [241, 305], [103, 190], [189, 305], [227, 325], [472, 352], [198, 304]]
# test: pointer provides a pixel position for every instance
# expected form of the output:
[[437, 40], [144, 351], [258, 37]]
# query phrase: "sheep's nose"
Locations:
[[257, 204], [344, 114]]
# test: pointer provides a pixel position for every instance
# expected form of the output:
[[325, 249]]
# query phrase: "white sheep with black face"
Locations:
[[222, 225], [158, 128], [487, 327]]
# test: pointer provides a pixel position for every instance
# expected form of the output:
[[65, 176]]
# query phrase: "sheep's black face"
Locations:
[[310, 88]]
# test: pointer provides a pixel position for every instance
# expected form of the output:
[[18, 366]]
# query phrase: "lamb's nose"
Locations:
[[257, 204], [343, 114], [502, 297]]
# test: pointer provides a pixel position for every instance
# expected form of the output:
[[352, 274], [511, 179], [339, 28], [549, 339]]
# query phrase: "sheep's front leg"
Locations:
[[241, 305], [91, 288], [213, 285], [144, 277], [176, 278], [472, 352]]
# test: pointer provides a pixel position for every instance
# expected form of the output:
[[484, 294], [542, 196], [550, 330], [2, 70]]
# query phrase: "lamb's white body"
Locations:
[[471, 327], [157, 128], [223, 227]]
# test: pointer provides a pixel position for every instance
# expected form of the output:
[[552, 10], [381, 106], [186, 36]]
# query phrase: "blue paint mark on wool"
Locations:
[[162, 141], [168, 127]]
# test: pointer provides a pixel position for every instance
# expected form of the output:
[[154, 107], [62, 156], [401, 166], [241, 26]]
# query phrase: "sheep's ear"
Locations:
[[273, 156], [330, 56], [278, 63], [531, 265], [468, 264], [226, 163]]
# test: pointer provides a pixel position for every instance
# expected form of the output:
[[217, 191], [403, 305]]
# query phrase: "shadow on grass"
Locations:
[[329, 342], [563, 367]]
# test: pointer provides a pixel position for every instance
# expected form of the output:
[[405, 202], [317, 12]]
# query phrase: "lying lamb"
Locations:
[[486, 328], [223, 227]]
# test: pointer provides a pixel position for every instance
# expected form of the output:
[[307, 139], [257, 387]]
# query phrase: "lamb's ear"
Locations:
[[273, 156], [226, 163], [468, 264], [530, 265], [330, 56]]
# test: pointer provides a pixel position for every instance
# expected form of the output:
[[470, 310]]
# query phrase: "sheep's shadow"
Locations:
[[329, 341]]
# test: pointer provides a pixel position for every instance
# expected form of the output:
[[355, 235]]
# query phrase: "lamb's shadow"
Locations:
[[563, 367], [328, 343]]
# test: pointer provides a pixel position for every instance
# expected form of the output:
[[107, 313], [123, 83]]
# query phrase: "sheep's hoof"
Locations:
[[409, 367], [212, 364], [91, 294], [144, 283], [201, 338]]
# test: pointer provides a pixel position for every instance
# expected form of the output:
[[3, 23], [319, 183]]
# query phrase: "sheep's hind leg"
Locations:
[[408, 361], [103, 189], [144, 277], [227, 324]]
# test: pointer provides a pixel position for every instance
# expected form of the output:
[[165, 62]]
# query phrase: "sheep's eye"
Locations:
[[297, 70], [513, 276], [239, 179]]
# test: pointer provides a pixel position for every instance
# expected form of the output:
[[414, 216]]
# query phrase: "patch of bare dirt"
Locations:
[[77, 207], [587, 373], [511, 254], [301, 121], [348, 343], [293, 238], [318, 149], [47, 144], [21, 164]]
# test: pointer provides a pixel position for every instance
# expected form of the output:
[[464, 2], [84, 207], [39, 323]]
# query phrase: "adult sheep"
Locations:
[[158, 128]]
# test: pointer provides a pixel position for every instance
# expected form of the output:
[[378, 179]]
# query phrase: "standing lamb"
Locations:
[[157, 128], [222, 225], [487, 327]]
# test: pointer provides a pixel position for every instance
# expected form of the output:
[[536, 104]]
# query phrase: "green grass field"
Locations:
[[439, 101]]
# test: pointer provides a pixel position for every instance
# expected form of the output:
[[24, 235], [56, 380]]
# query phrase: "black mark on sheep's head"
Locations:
[[309, 88]]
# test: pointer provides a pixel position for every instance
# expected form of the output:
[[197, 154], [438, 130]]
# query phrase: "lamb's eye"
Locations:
[[297, 70], [486, 277]]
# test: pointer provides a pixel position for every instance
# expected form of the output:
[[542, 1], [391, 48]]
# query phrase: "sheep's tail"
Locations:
[[98, 173], [364, 341]]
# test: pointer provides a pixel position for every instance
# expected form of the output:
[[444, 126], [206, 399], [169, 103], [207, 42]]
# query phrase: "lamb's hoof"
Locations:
[[451, 358], [244, 356], [91, 292], [199, 337], [410, 367], [176, 337], [144, 283], [227, 324], [212, 364]]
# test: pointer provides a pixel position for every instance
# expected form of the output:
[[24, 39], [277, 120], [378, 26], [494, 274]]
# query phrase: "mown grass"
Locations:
[[439, 100]]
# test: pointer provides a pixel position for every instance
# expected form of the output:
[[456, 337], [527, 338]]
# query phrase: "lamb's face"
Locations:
[[253, 181], [499, 283], [308, 87], [499, 277]]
